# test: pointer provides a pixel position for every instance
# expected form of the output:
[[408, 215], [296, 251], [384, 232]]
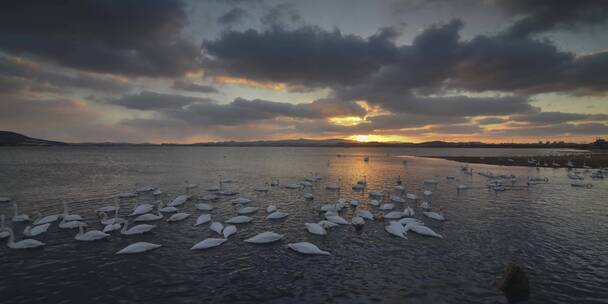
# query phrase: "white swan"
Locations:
[[241, 219], [364, 214], [45, 220], [408, 211], [208, 243], [137, 229], [422, 230], [203, 207], [376, 194], [142, 209], [168, 209], [271, 209], [409, 220], [426, 205], [112, 227], [23, 244], [396, 229], [65, 224], [241, 200], [247, 210], [307, 248], [387, 207], [106, 221], [357, 221], [265, 237], [434, 215], [178, 201], [427, 192], [70, 217], [411, 196], [149, 217], [228, 231], [309, 196], [400, 188], [277, 215], [144, 189], [36, 230], [91, 235], [393, 215], [108, 209], [397, 199], [336, 219], [328, 224], [3, 232], [294, 186], [176, 217], [462, 187], [210, 197], [138, 247], [374, 202], [19, 217], [431, 182], [315, 228], [217, 227], [203, 219]]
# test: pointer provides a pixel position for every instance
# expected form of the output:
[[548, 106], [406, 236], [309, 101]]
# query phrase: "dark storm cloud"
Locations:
[[204, 111], [545, 15], [40, 78], [234, 15], [562, 129], [382, 72], [308, 55], [115, 36], [491, 121], [194, 87], [546, 118], [154, 101]]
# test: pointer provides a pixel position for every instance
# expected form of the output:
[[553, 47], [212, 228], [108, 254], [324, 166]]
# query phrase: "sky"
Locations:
[[388, 70]]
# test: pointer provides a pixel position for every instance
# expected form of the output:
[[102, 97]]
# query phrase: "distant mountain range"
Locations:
[[8, 138], [15, 139]]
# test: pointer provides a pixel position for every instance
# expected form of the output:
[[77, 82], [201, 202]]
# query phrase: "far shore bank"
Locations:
[[581, 161]]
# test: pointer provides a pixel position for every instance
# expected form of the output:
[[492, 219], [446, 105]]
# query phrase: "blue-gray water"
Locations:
[[556, 231]]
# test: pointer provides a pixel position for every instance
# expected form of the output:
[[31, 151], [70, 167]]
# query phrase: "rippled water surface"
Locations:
[[559, 233]]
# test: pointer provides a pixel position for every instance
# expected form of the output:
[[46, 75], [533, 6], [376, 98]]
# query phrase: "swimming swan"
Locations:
[[277, 215], [36, 230], [203, 219], [307, 248], [208, 243], [228, 231], [396, 229], [241, 219], [91, 235], [23, 244], [315, 228], [265, 237], [138, 247]]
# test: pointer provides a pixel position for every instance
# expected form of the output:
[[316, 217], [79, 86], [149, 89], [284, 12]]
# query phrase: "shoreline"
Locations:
[[595, 161]]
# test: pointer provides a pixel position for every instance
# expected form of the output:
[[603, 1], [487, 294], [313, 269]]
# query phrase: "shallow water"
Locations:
[[556, 231]]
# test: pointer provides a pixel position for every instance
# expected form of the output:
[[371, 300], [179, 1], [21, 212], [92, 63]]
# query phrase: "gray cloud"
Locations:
[[146, 100], [194, 87], [308, 55], [546, 15], [116, 36], [545, 118], [233, 16], [39, 77]]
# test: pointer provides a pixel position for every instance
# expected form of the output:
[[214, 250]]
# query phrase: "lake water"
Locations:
[[557, 232]]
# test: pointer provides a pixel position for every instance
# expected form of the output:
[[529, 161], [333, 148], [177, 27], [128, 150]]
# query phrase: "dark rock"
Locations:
[[515, 284]]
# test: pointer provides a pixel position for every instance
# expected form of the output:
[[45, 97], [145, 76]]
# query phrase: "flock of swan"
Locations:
[[393, 206]]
